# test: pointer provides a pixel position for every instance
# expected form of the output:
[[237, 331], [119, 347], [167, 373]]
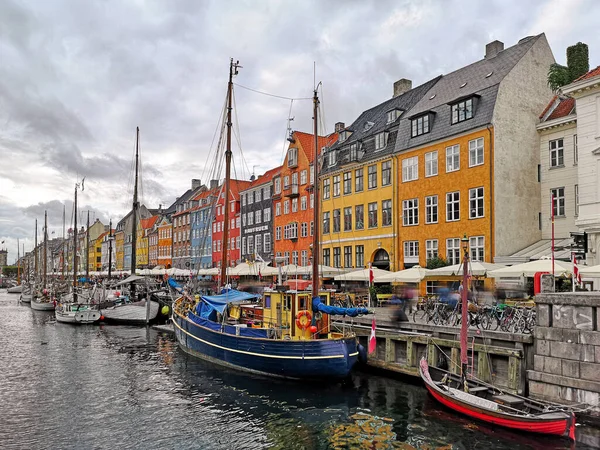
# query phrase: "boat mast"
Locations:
[[45, 265], [135, 207], [464, 310], [233, 70], [63, 246], [315, 243], [75, 247], [18, 263], [35, 255], [109, 247], [87, 250]]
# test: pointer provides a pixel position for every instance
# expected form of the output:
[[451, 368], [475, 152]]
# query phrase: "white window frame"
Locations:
[[410, 169], [557, 196], [452, 214], [431, 209], [381, 140], [411, 251], [477, 248], [431, 249], [453, 250], [410, 212], [431, 164], [303, 203], [476, 152], [556, 149], [476, 203], [303, 177], [453, 158]]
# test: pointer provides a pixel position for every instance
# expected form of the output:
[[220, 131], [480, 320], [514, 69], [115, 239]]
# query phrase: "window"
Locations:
[[295, 179], [386, 173], [312, 228], [250, 218], [348, 256], [326, 193], [380, 140], [475, 203], [347, 183], [360, 255], [326, 257], [348, 219], [337, 257], [295, 257], [304, 229], [332, 154], [476, 246], [410, 169], [290, 231], [267, 214], [278, 233], [277, 185], [410, 212], [557, 157], [359, 223], [392, 115], [303, 203], [452, 206], [431, 248], [304, 256], [312, 174], [257, 196], [237, 242], [292, 157], [250, 245], [354, 152], [312, 200], [372, 215], [303, 177], [462, 111], [250, 197], [358, 180], [386, 213], [267, 242], [243, 199], [411, 251], [476, 152], [576, 200], [277, 209], [294, 205], [431, 164], [258, 216], [558, 201], [286, 207], [267, 192], [453, 251], [431, 209], [336, 185], [453, 158], [258, 242], [372, 174], [336, 220], [575, 151], [326, 222], [420, 125]]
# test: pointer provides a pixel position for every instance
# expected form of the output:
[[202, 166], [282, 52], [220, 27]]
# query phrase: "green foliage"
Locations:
[[436, 262], [9, 271], [558, 76], [578, 60]]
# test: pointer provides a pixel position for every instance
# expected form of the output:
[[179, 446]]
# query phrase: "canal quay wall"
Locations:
[[496, 357], [566, 357]]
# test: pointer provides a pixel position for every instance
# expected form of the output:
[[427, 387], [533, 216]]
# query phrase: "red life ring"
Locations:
[[303, 324]]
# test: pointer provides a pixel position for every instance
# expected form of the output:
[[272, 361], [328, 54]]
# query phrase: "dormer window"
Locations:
[[462, 110], [344, 134], [368, 126], [332, 157], [354, 152], [292, 157], [380, 140], [420, 125], [392, 116]]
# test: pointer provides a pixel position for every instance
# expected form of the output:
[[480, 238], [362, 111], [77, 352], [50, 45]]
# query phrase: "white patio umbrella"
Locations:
[[213, 271], [529, 269], [590, 271], [324, 271], [413, 275], [248, 269], [476, 268], [361, 275]]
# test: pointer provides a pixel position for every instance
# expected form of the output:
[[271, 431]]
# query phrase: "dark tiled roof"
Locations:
[[482, 78]]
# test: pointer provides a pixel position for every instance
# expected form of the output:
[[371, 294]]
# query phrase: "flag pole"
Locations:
[[552, 217], [573, 274]]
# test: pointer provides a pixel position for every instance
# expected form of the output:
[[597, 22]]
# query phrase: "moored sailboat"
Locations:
[[465, 394], [284, 334], [45, 302]]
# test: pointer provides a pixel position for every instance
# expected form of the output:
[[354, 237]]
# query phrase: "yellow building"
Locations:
[[95, 254], [119, 249]]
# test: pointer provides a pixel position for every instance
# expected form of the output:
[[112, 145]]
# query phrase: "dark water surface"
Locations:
[[91, 387]]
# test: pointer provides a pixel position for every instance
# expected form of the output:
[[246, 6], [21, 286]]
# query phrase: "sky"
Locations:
[[78, 77]]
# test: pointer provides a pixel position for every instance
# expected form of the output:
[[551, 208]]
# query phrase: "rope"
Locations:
[[272, 95]]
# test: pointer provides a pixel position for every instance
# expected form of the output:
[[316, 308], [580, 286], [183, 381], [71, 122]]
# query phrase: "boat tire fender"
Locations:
[[362, 354]]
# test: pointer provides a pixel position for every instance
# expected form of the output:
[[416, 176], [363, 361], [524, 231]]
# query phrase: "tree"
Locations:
[[434, 263], [10, 271], [577, 65]]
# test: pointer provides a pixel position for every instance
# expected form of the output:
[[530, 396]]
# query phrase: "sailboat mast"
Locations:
[[45, 265], [315, 243], [135, 208], [87, 249], [75, 247], [233, 67], [18, 263], [464, 310], [63, 246], [35, 254], [109, 247]]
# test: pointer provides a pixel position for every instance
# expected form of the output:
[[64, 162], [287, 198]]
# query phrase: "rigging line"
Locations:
[[272, 95], [237, 134], [287, 131], [220, 126]]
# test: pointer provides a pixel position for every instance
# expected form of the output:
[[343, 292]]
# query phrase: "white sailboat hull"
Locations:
[[86, 316], [130, 313], [15, 289], [42, 306], [26, 298]]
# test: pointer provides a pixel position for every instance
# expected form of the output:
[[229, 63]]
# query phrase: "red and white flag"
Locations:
[[371, 274], [576, 274], [372, 337]]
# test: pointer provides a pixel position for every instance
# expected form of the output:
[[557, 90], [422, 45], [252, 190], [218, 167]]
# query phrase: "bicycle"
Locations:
[[424, 310]]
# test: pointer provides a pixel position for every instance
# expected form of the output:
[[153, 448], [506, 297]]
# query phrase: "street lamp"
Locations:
[[464, 326]]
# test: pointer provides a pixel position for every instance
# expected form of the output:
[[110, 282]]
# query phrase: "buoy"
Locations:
[[313, 329], [117, 294], [165, 310], [101, 317]]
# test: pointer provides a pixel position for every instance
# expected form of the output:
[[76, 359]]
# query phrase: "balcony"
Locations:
[[291, 191]]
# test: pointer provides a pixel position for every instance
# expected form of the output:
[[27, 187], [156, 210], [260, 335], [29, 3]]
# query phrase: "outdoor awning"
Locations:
[[541, 249], [530, 268], [476, 268], [130, 279], [361, 275], [413, 275]]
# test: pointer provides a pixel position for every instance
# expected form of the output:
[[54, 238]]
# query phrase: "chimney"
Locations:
[[196, 183], [252, 177], [339, 127], [493, 48], [214, 184], [401, 86]]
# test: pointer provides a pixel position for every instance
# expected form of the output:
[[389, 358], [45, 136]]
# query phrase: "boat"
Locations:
[[467, 395], [15, 289], [45, 302], [76, 313], [26, 295], [283, 333], [129, 311]]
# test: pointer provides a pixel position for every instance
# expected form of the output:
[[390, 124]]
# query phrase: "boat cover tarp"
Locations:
[[318, 306], [175, 285], [218, 303], [243, 331]]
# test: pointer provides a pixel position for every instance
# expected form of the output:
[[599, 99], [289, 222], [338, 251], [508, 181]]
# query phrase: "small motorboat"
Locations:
[[76, 313]]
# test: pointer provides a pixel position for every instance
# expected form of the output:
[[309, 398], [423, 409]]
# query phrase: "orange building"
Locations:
[[165, 242], [293, 199]]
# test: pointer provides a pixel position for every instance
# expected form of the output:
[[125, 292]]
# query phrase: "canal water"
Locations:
[[94, 387]]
